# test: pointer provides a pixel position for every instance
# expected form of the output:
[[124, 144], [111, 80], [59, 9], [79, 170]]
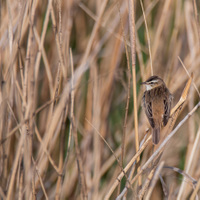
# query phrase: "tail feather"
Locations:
[[156, 135]]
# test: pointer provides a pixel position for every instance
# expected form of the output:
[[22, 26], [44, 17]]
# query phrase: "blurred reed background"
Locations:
[[65, 85]]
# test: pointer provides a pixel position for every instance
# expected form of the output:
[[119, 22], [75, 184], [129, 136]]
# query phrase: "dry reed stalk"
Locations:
[[123, 172], [125, 190], [10, 35], [40, 179], [62, 134], [148, 38], [146, 183], [74, 132], [133, 60], [80, 164], [197, 19], [3, 196], [190, 179], [50, 10], [21, 182], [160, 28], [190, 34], [61, 156], [109, 162], [164, 187], [147, 12], [127, 167], [28, 106], [154, 180], [34, 197], [13, 131], [106, 91], [192, 142], [15, 165], [111, 30], [95, 18], [41, 41], [94, 32], [46, 151], [47, 66], [72, 107], [97, 143], [140, 58], [194, 193], [58, 43], [123, 152], [190, 160], [54, 127], [191, 137], [104, 192]]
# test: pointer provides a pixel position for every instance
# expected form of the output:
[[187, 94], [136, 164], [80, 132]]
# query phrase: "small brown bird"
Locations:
[[157, 104]]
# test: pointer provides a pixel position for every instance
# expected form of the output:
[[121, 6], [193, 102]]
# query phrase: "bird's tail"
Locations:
[[156, 135]]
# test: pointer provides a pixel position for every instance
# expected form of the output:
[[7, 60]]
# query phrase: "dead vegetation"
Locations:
[[71, 123]]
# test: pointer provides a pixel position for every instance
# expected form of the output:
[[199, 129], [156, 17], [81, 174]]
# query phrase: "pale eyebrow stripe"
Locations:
[[154, 81]]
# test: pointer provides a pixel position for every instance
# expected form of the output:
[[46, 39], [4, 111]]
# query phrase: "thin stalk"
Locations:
[[133, 57]]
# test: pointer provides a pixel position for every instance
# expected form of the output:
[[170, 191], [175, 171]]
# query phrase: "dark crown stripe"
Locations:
[[152, 78]]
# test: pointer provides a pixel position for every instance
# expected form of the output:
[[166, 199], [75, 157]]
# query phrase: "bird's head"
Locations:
[[153, 82]]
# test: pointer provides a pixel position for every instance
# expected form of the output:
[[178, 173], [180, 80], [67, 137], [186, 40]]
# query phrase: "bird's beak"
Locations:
[[143, 83]]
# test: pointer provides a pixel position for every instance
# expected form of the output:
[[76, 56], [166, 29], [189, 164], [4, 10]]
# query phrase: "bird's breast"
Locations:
[[158, 108]]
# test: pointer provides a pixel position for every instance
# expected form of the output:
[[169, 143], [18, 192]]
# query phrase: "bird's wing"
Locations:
[[148, 110], [167, 109]]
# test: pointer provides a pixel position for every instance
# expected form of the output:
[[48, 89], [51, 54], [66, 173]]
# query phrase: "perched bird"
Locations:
[[157, 102]]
